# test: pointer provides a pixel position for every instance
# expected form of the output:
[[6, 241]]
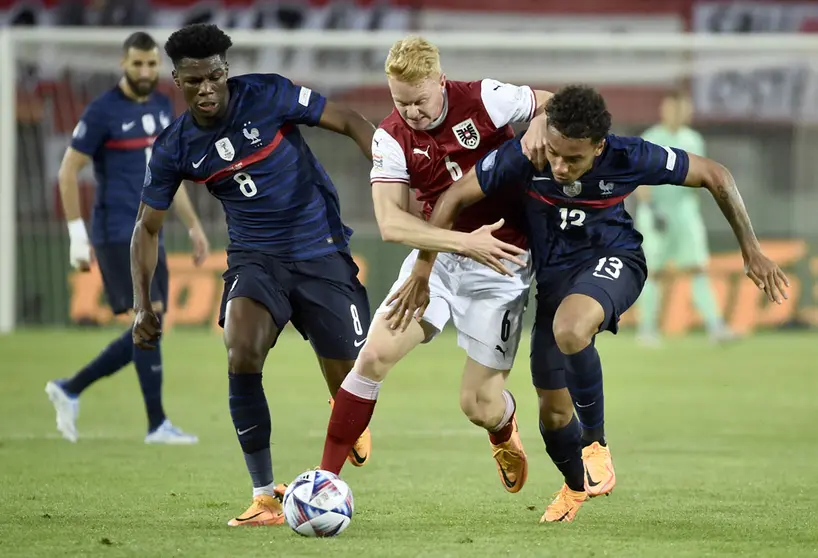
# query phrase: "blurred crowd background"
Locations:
[[756, 111]]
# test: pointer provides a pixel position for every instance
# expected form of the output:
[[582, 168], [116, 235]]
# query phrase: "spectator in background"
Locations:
[[671, 221], [109, 13]]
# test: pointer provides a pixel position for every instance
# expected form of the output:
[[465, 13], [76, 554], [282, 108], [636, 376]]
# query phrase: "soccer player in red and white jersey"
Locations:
[[437, 132]]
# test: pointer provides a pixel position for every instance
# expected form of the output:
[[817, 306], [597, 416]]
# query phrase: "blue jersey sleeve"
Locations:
[[504, 166], [298, 104], [657, 164], [162, 178], [91, 130]]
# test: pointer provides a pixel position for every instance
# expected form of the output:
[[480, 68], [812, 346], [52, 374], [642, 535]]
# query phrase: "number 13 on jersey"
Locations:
[[571, 218]]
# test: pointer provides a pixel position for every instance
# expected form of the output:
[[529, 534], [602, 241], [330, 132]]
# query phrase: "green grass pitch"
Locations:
[[715, 452]]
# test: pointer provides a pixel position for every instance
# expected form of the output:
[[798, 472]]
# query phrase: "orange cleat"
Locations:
[[565, 506], [265, 510], [599, 471], [360, 452], [512, 463]]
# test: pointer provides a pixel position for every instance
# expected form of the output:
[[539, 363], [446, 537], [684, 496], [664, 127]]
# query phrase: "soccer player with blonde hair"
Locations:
[[437, 131]]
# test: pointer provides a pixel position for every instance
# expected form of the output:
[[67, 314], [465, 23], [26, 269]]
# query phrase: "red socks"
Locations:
[[350, 417]]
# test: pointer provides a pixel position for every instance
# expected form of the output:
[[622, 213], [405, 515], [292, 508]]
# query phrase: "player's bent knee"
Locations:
[[373, 362], [244, 358], [572, 337], [556, 408], [576, 321]]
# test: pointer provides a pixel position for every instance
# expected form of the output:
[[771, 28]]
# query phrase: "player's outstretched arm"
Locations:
[[707, 173], [144, 253], [80, 248], [460, 195], [343, 120], [412, 298], [397, 224]]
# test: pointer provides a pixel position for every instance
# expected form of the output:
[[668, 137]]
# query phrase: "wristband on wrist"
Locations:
[[76, 230]]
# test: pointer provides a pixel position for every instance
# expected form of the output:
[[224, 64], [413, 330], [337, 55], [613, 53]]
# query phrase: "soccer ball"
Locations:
[[318, 504]]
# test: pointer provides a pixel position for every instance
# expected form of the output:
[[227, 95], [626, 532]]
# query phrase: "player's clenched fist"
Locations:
[[146, 329]]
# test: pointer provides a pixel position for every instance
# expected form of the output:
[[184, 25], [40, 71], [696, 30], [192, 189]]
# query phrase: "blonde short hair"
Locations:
[[413, 59]]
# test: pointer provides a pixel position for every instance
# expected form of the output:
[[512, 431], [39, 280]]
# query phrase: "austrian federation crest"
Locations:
[[573, 190], [467, 134]]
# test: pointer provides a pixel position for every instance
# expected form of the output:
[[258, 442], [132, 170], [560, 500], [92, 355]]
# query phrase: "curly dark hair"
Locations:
[[578, 112], [197, 41]]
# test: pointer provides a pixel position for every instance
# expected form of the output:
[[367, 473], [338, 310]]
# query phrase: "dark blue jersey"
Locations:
[[570, 224], [117, 133], [276, 196]]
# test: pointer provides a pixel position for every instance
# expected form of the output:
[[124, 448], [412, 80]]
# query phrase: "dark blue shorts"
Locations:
[[321, 297], [114, 262], [614, 279]]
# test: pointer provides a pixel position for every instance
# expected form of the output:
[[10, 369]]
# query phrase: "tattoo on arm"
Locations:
[[732, 207]]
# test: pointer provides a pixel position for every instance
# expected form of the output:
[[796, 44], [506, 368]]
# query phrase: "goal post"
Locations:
[[755, 99]]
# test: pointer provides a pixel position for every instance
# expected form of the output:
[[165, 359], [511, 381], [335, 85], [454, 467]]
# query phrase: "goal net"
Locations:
[[755, 101]]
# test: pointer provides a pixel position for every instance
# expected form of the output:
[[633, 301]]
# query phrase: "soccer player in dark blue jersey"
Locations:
[[589, 264], [288, 257], [116, 133]]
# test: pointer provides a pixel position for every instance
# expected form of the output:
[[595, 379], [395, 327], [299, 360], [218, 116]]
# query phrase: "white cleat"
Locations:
[[169, 434], [649, 340], [724, 335], [67, 408]]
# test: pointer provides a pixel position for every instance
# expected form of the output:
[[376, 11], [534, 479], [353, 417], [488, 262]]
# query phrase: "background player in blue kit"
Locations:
[[116, 133], [589, 263], [288, 258]]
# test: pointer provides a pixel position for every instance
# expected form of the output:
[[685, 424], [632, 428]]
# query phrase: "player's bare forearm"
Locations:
[[184, 209], [542, 98], [706, 173], [398, 225], [346, 121], [642, 194], [144, 253], [72, 163], [460, 195]]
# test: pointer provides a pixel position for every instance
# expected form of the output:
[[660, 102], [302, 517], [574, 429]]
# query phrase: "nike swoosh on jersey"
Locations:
[[198, 163]]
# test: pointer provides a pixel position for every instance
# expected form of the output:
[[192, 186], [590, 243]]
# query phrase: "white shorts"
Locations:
[[486, 307]]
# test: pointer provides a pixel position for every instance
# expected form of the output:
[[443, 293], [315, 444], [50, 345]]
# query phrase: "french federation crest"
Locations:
[[148, 124], [573, 190], [606, 187], [467, 134], [225, 149], [164, 120]]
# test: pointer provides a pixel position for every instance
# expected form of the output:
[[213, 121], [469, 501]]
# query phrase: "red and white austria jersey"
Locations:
[[475, 120]]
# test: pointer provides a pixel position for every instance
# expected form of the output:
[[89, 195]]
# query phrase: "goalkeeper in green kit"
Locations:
[[670, 219]]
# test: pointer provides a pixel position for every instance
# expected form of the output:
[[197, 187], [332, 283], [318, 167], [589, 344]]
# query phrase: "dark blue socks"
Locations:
[[584, 378], [114, 357], [564, 447], [251, 419]]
